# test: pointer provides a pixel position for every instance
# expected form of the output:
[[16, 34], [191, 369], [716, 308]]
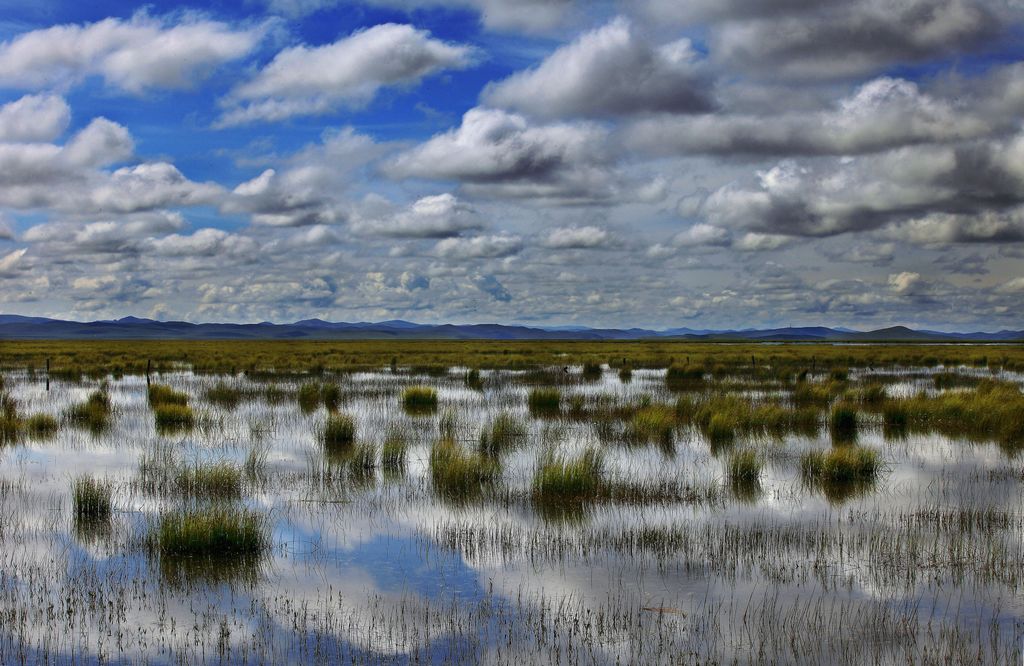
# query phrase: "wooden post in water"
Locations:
[[47, 373]]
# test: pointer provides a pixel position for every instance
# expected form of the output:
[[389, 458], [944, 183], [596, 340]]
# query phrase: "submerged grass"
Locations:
[[339, 431], [842, 465], [161, 394], [503, 432], [217, 531], [94, 413], [419, 400], [544, 401], [458, 473], [222, 481], [173, 416], [91, 498]]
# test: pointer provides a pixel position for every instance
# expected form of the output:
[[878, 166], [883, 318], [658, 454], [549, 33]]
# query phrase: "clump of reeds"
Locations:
[[362, 463], [173, 416], [339, 431], [626, 374], [419, 400], [216, 531], [41, 425], [224, 395], [682, 377], [655, 423], [458, 473], [564, 478], [842, 422], [721, 430], [10, 425], [503, 432], [852, 464], [393, 451], [313, 394], [994, 410], [161, 394], [91, 498], [592, 371], [473, 381], [220, 480], [93, 414], [544, 401], [744, 467]]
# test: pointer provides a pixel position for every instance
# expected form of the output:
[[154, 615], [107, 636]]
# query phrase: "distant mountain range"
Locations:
[[16, 327]]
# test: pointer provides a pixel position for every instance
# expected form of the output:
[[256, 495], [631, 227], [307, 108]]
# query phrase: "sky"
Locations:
[[615, 163]]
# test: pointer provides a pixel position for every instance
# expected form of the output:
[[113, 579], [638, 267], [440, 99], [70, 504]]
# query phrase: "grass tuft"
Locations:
[[173, 416], [93, 414], [215, 531], [458, 473], [161, 394], [544, 401], [212, 481], [91, 499], [419, 400], [338, 432]]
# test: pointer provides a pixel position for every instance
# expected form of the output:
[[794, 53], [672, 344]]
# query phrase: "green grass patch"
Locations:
[[339, 431], [419, 400], [94, 413], [214, 532], [544, 401], [458, 473], [220, 480], [91, 498], [173, 416]]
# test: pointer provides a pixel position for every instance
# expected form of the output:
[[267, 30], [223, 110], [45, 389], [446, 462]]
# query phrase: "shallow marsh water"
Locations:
[[926, 565]]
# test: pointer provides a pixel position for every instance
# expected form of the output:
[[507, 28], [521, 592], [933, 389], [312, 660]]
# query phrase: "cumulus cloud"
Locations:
[[498, 153], [205, 243], [10, 263], [587, 237], [959, 193], [479, 247], [133, 55], [608, 72], [528, 15], [904, 282], [881, 114], [304, 80], [831, 40], [307, 188], [34, 118], [438, 216]]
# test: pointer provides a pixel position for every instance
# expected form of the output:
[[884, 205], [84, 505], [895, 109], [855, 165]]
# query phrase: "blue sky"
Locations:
[[725, 163]]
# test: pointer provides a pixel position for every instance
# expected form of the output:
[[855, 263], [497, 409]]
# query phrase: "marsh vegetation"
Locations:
[[511, 503]]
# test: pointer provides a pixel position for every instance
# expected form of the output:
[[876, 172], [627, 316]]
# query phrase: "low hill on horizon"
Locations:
[[17, 327]]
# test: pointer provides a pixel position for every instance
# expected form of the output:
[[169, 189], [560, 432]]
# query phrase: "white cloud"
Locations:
[[530, 15], [10, 263], [757, 242], [305, 80], [701, 234], [610, 71], [133, 55], [479, 247], [34, 118], [577, 237], [500, 154], [904, 282], [205, 243], [438, 216]]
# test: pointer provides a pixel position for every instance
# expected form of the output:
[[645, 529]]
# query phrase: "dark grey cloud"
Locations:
[[837, 40]]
